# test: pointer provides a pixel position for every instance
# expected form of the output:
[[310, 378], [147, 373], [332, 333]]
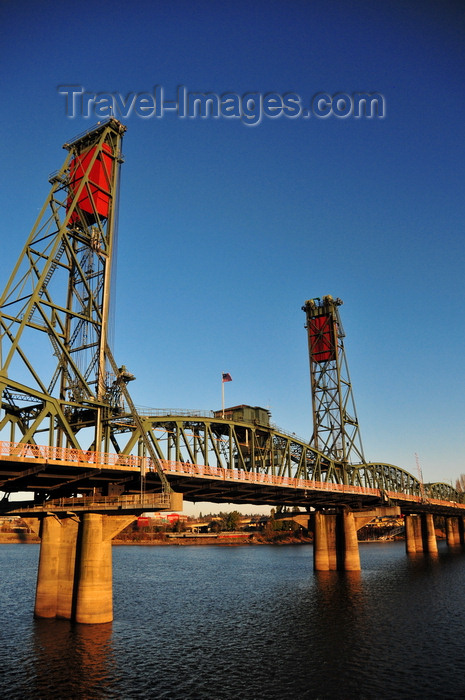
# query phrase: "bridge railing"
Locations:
[[197, 413], [198, 470], [98, 459], [68, 454]]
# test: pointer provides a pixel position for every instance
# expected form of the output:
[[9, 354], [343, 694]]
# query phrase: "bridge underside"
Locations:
[[89, 485], [51, 482], [218, 490]]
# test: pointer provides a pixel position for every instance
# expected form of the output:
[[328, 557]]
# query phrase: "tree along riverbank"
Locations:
[[19, 538]]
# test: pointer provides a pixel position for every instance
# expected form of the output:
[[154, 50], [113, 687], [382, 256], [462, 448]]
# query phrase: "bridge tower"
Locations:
[[54, 311], [59, 382], [335, 429], [335, 425]]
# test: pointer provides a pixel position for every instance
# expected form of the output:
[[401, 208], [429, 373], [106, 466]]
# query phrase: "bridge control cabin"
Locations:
[[246, 414]]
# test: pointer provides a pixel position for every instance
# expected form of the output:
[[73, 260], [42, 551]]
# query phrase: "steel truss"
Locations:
[[58, 380], [54, 309], [230, 445], [444, 492], [248, 447], [335, 423]]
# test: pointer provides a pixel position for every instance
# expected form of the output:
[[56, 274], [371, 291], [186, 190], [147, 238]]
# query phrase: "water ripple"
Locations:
[[217, 623]]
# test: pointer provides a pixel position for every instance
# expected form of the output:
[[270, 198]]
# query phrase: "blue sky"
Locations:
[[226, 229]]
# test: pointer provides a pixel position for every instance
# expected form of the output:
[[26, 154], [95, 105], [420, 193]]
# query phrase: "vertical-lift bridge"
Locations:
[[62, 393]]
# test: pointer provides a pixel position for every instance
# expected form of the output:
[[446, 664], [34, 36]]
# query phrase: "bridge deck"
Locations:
[[33, 468]]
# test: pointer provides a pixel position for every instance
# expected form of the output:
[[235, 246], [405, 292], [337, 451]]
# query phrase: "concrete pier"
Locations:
[[47, 575], [410, 541], [335, 542], [351, 552], [452, 532], [418, 533], [420, 536], [74, 579], [320, 543], [461, 524], [429, 534]]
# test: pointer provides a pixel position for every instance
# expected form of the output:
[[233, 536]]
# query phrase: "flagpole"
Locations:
[[225, 377], [222, 396]]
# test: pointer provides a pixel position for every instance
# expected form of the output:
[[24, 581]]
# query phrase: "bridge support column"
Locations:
[[456, 531], [350, 544], [74, 579], [46, 604], [452, 532], [410, 541], [461, 524], [94, 593], [55, 576], [66, 566], [430, 544], [418, 533], [335, 542], [320, 543], [94, 586]]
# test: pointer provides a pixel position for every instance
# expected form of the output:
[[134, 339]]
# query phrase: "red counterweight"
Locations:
[[94, 199], [321, 337]]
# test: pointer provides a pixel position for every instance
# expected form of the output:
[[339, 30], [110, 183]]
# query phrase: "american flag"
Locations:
[[227, 377]]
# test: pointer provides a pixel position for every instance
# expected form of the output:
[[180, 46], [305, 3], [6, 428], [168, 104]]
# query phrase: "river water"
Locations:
[[246, 622]]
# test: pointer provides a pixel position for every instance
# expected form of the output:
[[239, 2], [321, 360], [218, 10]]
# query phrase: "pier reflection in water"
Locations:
[[244, 622], [71, 661]]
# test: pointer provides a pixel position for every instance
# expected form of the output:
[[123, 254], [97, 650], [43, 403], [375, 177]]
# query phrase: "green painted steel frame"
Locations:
[[60, 286], [212, 441], [444, 492], [386, 477], [232, 445], [336, 430]]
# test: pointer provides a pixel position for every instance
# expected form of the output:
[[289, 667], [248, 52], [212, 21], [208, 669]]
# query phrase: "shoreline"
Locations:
[[226, 541], [219, 542], [185, 541]]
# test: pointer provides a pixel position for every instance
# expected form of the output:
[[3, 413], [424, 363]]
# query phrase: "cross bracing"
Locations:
[[225, 444], [335, 424], [54, 309]]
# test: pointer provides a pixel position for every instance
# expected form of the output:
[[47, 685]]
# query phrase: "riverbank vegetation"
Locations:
[[212, 528]]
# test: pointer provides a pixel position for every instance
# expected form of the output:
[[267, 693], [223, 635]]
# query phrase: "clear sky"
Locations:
[[226, 229]]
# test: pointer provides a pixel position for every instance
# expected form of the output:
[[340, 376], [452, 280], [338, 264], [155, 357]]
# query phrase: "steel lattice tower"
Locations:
[[335, 424], [59, 382], [55, 307]]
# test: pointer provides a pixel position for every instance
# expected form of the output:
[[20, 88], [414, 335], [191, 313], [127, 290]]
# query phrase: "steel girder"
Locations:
[[386, 477]]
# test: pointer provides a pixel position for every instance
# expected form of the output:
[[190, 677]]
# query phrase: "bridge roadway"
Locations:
[[51, 470]]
